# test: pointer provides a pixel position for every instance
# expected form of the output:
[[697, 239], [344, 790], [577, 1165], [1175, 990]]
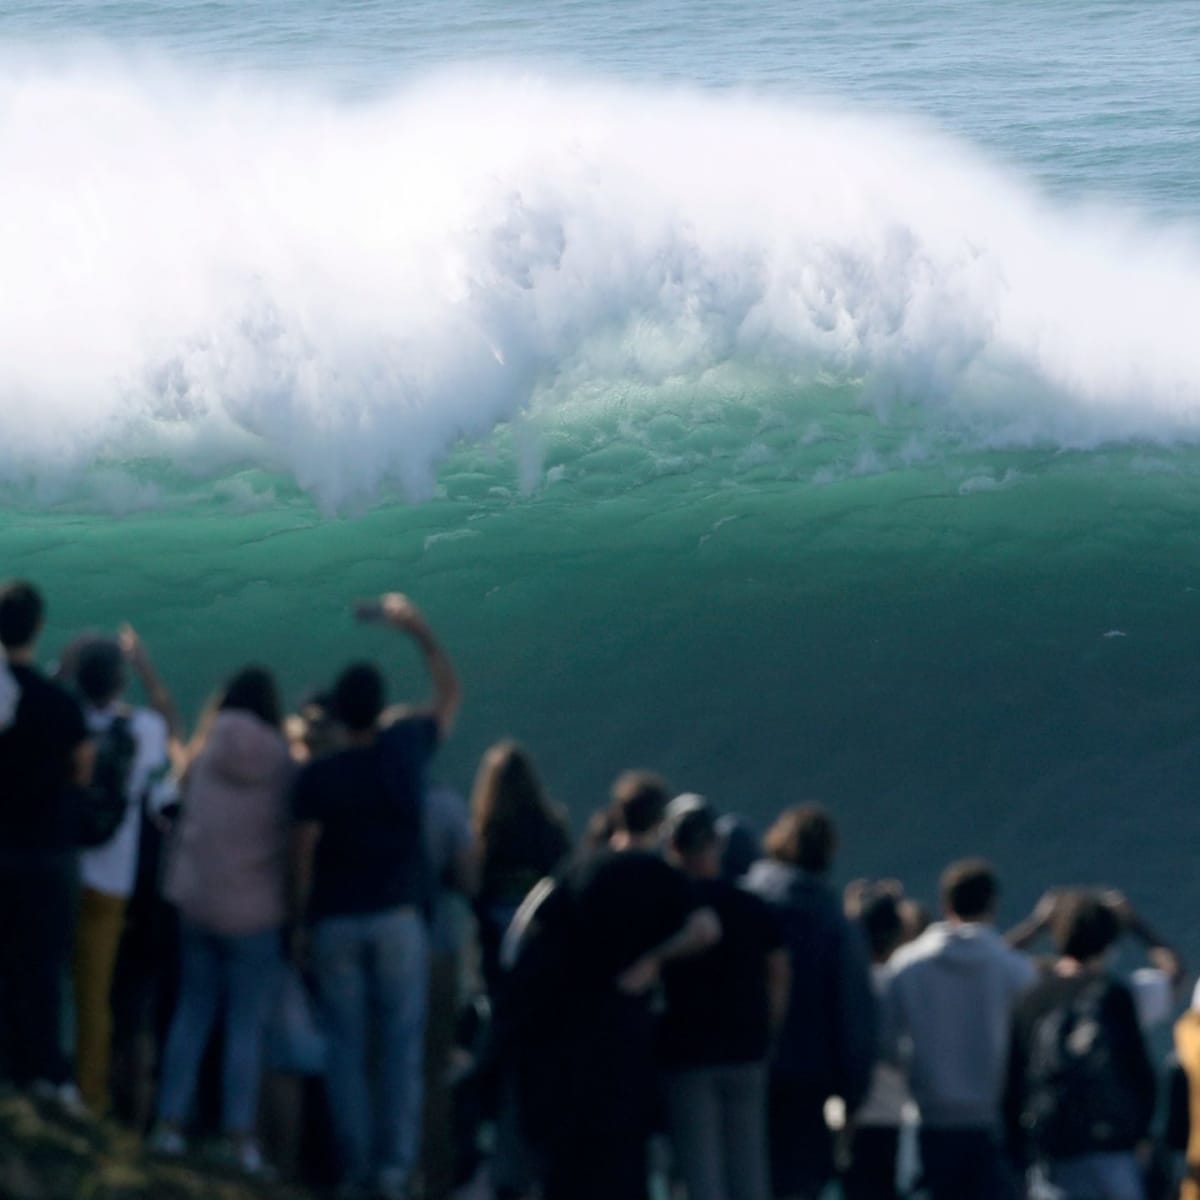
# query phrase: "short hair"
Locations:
[[639, 801], [359, 696], [100, 671], [1083, 925], [804, 836], [693, 829], [22, 610], [969, 889], [253, 690]]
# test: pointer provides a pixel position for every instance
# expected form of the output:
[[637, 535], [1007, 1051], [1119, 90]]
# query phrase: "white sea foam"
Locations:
[[215, 272]]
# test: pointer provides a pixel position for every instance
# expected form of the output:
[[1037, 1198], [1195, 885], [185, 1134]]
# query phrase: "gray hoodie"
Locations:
[[226, 870], [947, 1015]]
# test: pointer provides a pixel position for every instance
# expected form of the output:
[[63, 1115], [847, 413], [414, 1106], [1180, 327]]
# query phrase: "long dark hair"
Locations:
[[518, 827], [253, 690]]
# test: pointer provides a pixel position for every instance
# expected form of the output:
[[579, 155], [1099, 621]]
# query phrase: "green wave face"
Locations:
[[959, 650]]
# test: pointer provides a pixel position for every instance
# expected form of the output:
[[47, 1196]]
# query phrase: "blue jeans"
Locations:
[[373, 975], [1107, 1176], [235, 977]]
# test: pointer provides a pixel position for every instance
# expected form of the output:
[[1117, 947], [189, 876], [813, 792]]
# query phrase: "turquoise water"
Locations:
[[802, 401]]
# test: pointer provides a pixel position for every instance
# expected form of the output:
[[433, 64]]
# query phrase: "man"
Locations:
[[1081, 1088], [948, 1009], [600, 941], [362, 877], [45, 757], [109, 871], [722, 1007], [829, 1040]]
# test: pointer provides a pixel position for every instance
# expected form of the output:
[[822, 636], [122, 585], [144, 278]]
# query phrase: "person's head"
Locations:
[[692, 837], [741, 847], [969, 890], [1084, 926], [311, 731], [881, 921], [100, 674], [506, 786], [359, 697], [598, 832], [253, 690], [803, 836], [22, 612], [915, 917], [639, 804], [515, 821]]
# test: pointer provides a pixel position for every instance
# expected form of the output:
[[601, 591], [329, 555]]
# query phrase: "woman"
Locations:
[[522, 837], [227, 877]]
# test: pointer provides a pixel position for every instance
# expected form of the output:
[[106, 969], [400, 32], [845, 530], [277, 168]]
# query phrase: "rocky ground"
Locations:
[[46, 1155]]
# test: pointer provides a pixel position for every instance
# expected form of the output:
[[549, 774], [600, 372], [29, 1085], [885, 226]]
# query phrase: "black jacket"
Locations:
[[829, 1041]]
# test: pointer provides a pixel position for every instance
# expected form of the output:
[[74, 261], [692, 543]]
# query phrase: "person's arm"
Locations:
[[701, 930], [158, 697], [1132, 1058], [1158, 952], [305, 837], [1023, 935], [83, 762], [858, 1009], [401, 613], [1013, 1102]]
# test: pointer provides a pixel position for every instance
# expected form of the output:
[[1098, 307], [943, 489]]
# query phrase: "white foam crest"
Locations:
[[217, 271]]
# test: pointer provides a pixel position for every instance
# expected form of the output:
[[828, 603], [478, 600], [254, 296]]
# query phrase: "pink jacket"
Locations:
[[227, 867]]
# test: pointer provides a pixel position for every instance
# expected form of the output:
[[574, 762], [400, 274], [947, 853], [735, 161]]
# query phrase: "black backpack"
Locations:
[[1076, 1100], [102, 806]]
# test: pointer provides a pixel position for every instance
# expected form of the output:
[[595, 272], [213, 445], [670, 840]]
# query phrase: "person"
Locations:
[[522, 837], [1156, 986], [454, 867], [362, 881], [741, 846], [108, 872], [874, 1137], [1081, 1089], [1186, 1100], [721, 1008], [46, 756], [948, 1007], [827, 1046], [226, 875], [589, 959]]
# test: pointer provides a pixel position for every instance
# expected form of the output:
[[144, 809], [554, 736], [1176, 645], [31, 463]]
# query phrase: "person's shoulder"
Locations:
[[321, 774], [411, 733], [148, 726], [1022, 967], [44, 690], [913, 957], [752, 910], [53, 702]]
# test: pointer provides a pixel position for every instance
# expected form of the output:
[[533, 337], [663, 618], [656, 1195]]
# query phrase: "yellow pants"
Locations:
[[97, 938]]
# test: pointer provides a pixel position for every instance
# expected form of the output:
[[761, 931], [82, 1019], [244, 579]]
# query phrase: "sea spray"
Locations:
[[210, 273]]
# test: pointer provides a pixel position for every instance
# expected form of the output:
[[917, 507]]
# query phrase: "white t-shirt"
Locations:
[[112, 867]]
